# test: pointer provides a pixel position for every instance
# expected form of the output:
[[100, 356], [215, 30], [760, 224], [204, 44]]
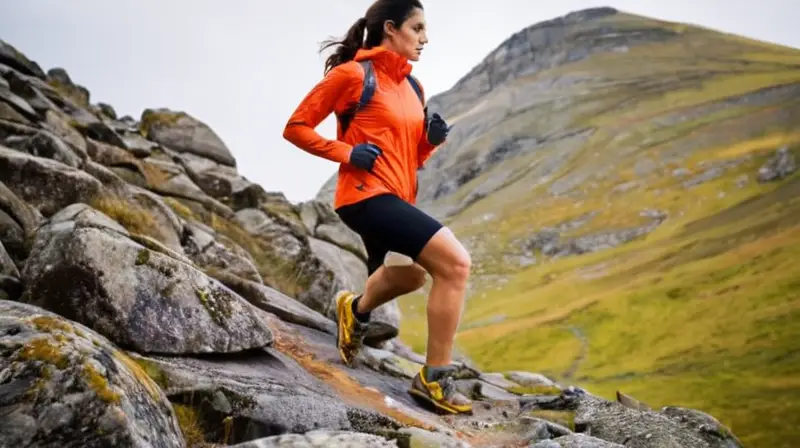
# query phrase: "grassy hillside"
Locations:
[[700, 312]]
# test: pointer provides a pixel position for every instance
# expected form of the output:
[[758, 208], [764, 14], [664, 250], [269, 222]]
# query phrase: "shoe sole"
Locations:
[[440, 408]]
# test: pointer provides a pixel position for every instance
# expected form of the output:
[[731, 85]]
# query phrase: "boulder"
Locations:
[[45, 144], [184, 133], [18, 105], [32, 179], [577, 441], [60, 124], [202, 247], [320, 438], [13, 58], [18, 221], [131, 292], [66, 385], [277, 303]]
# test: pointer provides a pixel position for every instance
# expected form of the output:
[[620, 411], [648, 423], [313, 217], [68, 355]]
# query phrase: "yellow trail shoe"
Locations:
[[437, 387], [349, 330]]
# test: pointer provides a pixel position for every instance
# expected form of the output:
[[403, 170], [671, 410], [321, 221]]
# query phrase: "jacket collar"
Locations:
[[387, 61]]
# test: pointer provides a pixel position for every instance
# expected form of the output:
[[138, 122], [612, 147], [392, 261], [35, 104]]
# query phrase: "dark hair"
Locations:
[[396, 11]]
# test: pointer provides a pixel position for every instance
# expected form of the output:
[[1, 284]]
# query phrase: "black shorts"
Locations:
[[388, 223]]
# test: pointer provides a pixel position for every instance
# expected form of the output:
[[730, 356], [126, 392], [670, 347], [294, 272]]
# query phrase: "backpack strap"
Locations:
[[367, 91], [413, 81]]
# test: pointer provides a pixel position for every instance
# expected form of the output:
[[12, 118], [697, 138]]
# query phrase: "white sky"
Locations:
[[242, 66]]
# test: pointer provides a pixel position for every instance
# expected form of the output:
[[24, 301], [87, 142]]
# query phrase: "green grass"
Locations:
[[701, 312]]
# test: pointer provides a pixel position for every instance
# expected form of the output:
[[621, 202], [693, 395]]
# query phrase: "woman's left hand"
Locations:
[[437, 130]]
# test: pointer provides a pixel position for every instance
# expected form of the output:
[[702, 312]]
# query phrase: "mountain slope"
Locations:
[[627, 189]]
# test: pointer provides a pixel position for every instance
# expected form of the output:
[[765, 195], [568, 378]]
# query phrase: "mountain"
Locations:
[[627, 189], [151, 296]]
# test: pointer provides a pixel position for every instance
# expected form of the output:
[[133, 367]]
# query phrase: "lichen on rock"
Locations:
[[60, 378]]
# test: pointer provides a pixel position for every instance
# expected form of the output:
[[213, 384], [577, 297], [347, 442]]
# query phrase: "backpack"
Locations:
[[368, 90]]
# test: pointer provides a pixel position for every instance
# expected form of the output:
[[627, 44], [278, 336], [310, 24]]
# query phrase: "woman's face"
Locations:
[[409, 39]]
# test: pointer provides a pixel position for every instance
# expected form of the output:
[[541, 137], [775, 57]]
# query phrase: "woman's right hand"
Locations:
[[363, 156]]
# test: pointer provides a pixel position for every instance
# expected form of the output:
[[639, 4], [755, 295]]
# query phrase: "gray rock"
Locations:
[[18, 220], [217, 181], [387, 362], [779, 166], [322, 221], [207, 252], [166, 226], [13, 58], [257, 415], [184, 133], [107, 110], [102, 132], [578, 441], [74, 94], [540, 429], [32, 179], [59, 124], [480, 390], [320, 439], [277, 303], [635, 428], [60, 378], [10, 114], [45, 144], [419, 437], [7, 266], [709, 428], [11, 129], [498, 380], [136, 296], [138, 145], [18, 104], [530, 379], [265, 392]]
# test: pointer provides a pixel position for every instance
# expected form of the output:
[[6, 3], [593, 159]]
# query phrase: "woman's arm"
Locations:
[[424, 148], [332, 93]]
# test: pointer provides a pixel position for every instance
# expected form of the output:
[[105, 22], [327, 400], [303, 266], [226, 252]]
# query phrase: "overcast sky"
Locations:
[[242, 66]]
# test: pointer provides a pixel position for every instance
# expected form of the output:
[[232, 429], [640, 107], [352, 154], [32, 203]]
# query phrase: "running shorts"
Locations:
[[388, 223]]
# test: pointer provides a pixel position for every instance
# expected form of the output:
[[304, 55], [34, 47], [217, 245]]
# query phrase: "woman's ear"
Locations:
[[389, 29]]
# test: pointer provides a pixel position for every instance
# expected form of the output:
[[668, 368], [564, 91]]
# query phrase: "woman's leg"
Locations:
[[389, 282], [449, 264]]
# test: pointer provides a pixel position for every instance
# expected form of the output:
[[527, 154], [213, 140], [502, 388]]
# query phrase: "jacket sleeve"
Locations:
[[424, 151], [331, 94], [424, 148]]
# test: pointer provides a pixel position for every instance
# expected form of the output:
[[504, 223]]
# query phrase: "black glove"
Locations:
[[437, 130], [363, 156]]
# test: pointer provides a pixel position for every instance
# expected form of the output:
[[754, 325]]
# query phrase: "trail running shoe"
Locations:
[[441, 393], [349, 330]]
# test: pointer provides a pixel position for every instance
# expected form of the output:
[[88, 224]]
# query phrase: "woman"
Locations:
[[379, 154]]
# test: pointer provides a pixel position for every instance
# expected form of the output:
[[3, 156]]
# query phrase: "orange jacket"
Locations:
[[393, 120]]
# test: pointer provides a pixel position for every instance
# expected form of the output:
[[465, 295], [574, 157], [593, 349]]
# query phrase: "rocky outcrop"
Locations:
[[184, 133], [151, 296], [143, 296], [60, 378]]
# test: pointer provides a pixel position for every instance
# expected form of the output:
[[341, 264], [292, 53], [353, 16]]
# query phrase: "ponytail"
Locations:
[[347, 47]]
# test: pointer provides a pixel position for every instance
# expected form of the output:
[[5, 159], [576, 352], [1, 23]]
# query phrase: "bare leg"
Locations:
[[387, 283], [448, 263]]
